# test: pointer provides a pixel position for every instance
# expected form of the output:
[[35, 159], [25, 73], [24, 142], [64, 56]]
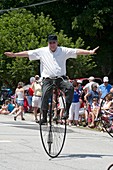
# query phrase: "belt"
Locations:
[[37, 96], [63, 76]]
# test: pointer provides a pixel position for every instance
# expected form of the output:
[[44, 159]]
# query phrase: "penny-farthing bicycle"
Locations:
[[53, 133]]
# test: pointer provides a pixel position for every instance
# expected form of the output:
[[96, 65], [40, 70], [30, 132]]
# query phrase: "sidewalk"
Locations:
[[27, 116]]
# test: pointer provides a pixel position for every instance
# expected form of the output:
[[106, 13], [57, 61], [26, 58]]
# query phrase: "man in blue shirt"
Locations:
[[105, 87]]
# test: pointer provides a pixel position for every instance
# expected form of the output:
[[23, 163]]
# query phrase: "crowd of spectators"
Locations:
[[85, 104]]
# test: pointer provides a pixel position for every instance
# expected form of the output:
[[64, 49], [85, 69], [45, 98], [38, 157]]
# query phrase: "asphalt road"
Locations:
[[21, 148]]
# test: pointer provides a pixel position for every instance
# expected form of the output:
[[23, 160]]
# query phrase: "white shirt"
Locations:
[[88, 86], [52, 63]]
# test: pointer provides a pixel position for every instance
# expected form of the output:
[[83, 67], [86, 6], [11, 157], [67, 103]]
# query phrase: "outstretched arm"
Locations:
[[19, 54], [86, 52]]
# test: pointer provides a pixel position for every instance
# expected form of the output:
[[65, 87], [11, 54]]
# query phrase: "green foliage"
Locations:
[[94, 24], [83, 65], [19, 31]]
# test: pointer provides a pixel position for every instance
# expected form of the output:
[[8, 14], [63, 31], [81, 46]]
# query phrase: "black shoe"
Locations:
[[43, 122], [37, 121], [15, 118], [65, 116], [23, 119]]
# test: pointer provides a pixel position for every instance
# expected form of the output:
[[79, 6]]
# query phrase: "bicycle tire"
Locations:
[[106, 123], [111, 166], [53, 134]]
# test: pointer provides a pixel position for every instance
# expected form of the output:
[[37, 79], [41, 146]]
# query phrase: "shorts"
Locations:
[[61, 104], [36, 101], [29, 99], [20, 102]]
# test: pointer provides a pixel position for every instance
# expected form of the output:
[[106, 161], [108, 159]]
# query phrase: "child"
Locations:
[[4, 109], [75, 106], [94, 111]]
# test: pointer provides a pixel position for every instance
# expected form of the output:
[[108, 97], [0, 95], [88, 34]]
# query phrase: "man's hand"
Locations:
[[86, 52], [19, 54], [94, 50], [10, 54]]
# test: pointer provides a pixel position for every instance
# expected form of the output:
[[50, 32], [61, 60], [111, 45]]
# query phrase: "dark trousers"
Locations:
[[62, 84]]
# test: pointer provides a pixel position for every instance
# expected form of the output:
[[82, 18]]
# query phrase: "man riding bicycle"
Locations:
[[53, 65]]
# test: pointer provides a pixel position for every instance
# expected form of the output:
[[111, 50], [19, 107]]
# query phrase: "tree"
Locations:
[[94, 25], [19, 31]]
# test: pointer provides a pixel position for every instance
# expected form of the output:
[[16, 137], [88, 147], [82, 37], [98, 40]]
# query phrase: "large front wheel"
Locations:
[[53, 133]]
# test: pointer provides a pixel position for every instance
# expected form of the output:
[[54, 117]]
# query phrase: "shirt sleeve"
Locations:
[[85, 87], [70, 52], [34, 54]]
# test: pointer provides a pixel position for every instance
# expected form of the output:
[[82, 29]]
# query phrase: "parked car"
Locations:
[[85, 80]]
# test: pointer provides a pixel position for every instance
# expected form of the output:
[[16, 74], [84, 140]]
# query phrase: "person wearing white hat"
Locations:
[[105, 87], [36, 99], [88, 86]]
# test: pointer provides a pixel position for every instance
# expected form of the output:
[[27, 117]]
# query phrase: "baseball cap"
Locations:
[[105, 79], [91, 78], [52, 38]]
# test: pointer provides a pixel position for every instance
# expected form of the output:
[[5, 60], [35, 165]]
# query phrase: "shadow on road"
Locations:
[[83, 156]]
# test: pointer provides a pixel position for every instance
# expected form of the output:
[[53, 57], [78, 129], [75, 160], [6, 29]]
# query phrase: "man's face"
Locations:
[[105, 83], [53, 45]]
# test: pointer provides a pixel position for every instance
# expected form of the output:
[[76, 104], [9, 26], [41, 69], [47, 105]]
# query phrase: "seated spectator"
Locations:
[[90, 95], [4, 109], [107, 103], [16, 108], [94, 111], [83, 114], [11, 105]]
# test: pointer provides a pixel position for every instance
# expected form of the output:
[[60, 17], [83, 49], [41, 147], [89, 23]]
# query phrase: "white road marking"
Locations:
[[5, 141]]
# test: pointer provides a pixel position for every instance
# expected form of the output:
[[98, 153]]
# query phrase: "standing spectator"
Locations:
[[19, 97], [88, 86], [36, 100], [75, 106], [105, 87], [89, 99], [30, 93], [80, 88]]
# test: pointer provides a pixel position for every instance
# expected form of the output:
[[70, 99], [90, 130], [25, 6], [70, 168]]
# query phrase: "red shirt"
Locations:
[[31, 91]]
